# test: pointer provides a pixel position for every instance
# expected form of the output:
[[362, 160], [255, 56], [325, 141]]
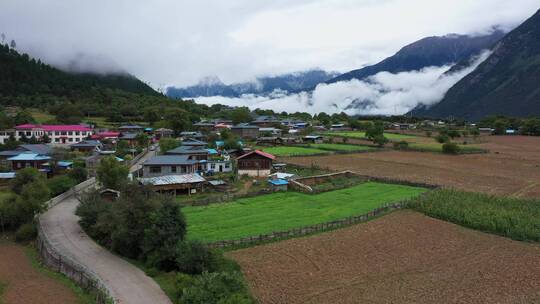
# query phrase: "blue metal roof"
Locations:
[[29, 157], [278, 182]]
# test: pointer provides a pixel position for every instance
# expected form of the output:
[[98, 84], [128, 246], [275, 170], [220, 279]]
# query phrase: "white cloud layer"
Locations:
[[168, 42], [384, 93]]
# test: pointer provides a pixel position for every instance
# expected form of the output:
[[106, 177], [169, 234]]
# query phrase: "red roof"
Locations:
[[261, 153], [54, 127]]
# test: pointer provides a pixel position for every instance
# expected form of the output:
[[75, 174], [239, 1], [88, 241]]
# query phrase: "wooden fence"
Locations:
[[251, 240], [81, 275]]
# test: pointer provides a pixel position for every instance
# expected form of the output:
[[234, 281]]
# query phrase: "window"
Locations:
[[28, 133], [63, 133], [18, 165], [173, 169], [56, 133], [227, 165], [57, 140], [155, 169], [212, 166], [77, 133], [70, 139], [70, 133]]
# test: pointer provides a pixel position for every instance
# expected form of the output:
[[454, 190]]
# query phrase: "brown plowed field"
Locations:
[[404, 257], [511, 168], [25, 284]]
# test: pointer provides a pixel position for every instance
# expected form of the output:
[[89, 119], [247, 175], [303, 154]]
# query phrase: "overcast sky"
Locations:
[[178, 42]]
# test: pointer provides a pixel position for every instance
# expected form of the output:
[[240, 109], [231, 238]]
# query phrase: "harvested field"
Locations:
[[404, 257], [26, 284], [511, 168]]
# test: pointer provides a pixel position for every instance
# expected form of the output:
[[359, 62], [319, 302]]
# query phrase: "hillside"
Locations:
[[430, 51], [506, 83], [293, 82]]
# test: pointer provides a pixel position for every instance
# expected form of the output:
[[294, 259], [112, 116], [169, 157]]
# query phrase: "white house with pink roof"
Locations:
[[58, 134]]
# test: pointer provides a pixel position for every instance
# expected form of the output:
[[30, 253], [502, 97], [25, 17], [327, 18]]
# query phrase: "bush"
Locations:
[[24, 177], [60, 184], [193, 257], [78, 174], [450, 148], [215, 288], [402, 145], [26, 232], [380, 140], [442, 138]]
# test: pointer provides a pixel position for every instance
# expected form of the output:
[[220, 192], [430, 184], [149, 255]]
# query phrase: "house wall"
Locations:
[[168, 170], [255, 173], [56, 137], [246, 132], [225, 166]]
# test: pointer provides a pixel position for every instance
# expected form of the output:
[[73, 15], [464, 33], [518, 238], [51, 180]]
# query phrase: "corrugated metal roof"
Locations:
[[29, 156], [278, 182], [172, 179]]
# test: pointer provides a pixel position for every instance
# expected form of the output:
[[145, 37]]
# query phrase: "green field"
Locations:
[[294, 151], [41, 116], [361, 134], [341, 147], [437, 147], [286, 210], [516, 218]]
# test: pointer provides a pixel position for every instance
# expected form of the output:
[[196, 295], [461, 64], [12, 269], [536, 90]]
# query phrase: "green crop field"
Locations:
[[516, 218], [293, 151], [437, 147], [286, 210], [341, 147], [361, 134]]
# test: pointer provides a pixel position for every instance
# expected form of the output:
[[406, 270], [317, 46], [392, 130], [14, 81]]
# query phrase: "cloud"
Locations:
[[384, 93], [168, 42]]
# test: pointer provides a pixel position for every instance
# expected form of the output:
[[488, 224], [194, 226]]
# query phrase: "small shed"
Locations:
[[180, 183], [109, 194], [313, 139], [278, 184]]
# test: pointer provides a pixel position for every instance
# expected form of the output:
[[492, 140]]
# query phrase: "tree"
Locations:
[[78, 174], [23, 177], [166, 144], [60, 184], [32, 200], [142, 140], [450, 148], [241, 114], [13, 44], [167, 228], [380, 140], [374, 130], [111, 173]]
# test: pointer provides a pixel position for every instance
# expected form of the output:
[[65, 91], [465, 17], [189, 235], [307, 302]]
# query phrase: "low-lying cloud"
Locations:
[[384, 93]]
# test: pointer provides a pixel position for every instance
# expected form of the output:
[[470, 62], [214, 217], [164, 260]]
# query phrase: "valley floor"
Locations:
[[511, 168], [404, 257]]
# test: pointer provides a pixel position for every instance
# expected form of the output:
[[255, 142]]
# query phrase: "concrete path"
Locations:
[[127, 284]]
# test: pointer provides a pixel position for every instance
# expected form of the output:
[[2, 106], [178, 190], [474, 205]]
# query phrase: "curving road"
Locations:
[[126, 283]]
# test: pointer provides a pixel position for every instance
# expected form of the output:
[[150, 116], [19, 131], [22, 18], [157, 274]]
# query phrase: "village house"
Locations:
[[58, 134], [106, 135], [191, 152], [269, 141], [131, 129], [194, 143], [30, 160], [163, 133], [189, 183], [270, 131], [130, 138], [40, 149], [255, 163], [169, 165], [266, 121], [313, 139], [246, 131], [218, 166], [86, 146]]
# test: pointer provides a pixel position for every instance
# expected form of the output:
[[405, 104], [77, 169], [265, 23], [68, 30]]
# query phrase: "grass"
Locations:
[[294, 151], [342, 147], [515, 218], [287, 210], [437, 147], [83, 296], [361, 135], [40, 116]]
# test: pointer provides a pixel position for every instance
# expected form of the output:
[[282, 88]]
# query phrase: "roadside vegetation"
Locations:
[[515, 218], [150, 229], [287, 210]]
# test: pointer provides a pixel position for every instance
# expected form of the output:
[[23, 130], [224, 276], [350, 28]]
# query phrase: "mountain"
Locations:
[[293, 82], [22, 75], [506, 83], [430, 51]]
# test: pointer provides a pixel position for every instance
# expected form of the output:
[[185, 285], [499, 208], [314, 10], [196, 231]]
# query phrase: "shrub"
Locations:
[[380, 140], [60, 184], [111, 173], [78, 174], [402, 145], [442, 138], [24, 177], [214, 288], [193, 257], [26, 232], [450, 148]]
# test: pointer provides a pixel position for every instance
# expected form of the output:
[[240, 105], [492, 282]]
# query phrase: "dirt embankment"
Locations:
[[404, 257]]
